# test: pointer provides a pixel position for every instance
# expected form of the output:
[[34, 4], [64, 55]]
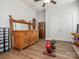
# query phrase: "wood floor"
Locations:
[[64, 50]]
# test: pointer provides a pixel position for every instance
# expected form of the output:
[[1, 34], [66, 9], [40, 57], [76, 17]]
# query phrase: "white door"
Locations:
[[55, 27], [66, 26], [61, 27]]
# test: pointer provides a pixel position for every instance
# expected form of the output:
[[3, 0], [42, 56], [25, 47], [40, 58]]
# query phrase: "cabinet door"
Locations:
[[16, 37], [19, 40], [27, 39], [36, 35], [32, 40], [33, 36]]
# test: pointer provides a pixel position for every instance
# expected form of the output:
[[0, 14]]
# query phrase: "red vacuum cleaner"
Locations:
[[50, 48]]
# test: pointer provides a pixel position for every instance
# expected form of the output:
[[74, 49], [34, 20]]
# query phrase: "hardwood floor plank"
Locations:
[[64, 50]]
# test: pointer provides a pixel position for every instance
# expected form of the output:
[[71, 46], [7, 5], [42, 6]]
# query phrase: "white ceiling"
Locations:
[[38, 5]]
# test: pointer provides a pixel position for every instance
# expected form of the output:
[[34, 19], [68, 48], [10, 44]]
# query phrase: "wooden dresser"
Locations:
[[25, 38]]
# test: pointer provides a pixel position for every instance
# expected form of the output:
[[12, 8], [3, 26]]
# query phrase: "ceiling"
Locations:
[[38, 5]]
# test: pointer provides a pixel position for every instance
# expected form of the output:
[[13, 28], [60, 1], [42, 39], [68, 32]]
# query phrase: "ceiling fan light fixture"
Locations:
[[46, 1]]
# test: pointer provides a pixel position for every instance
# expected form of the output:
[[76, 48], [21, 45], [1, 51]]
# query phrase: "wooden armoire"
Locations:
[[41, 27]]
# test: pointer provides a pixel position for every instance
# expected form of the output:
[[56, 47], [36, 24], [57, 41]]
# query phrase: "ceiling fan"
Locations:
[[46, 1]]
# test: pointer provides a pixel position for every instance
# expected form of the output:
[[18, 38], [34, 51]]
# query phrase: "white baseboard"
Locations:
[[67, 40]]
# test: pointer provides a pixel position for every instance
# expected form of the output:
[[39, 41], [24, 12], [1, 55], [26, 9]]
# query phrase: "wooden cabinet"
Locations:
[[25, 38], [41, 26], [35, 37]]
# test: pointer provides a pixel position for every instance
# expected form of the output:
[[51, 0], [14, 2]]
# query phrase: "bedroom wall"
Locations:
[[78, 11], [61, 10], [17, 8], [41, 15]]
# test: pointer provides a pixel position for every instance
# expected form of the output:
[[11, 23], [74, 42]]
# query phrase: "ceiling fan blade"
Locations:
[[37, 0], [52, 1], [43, 5]]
